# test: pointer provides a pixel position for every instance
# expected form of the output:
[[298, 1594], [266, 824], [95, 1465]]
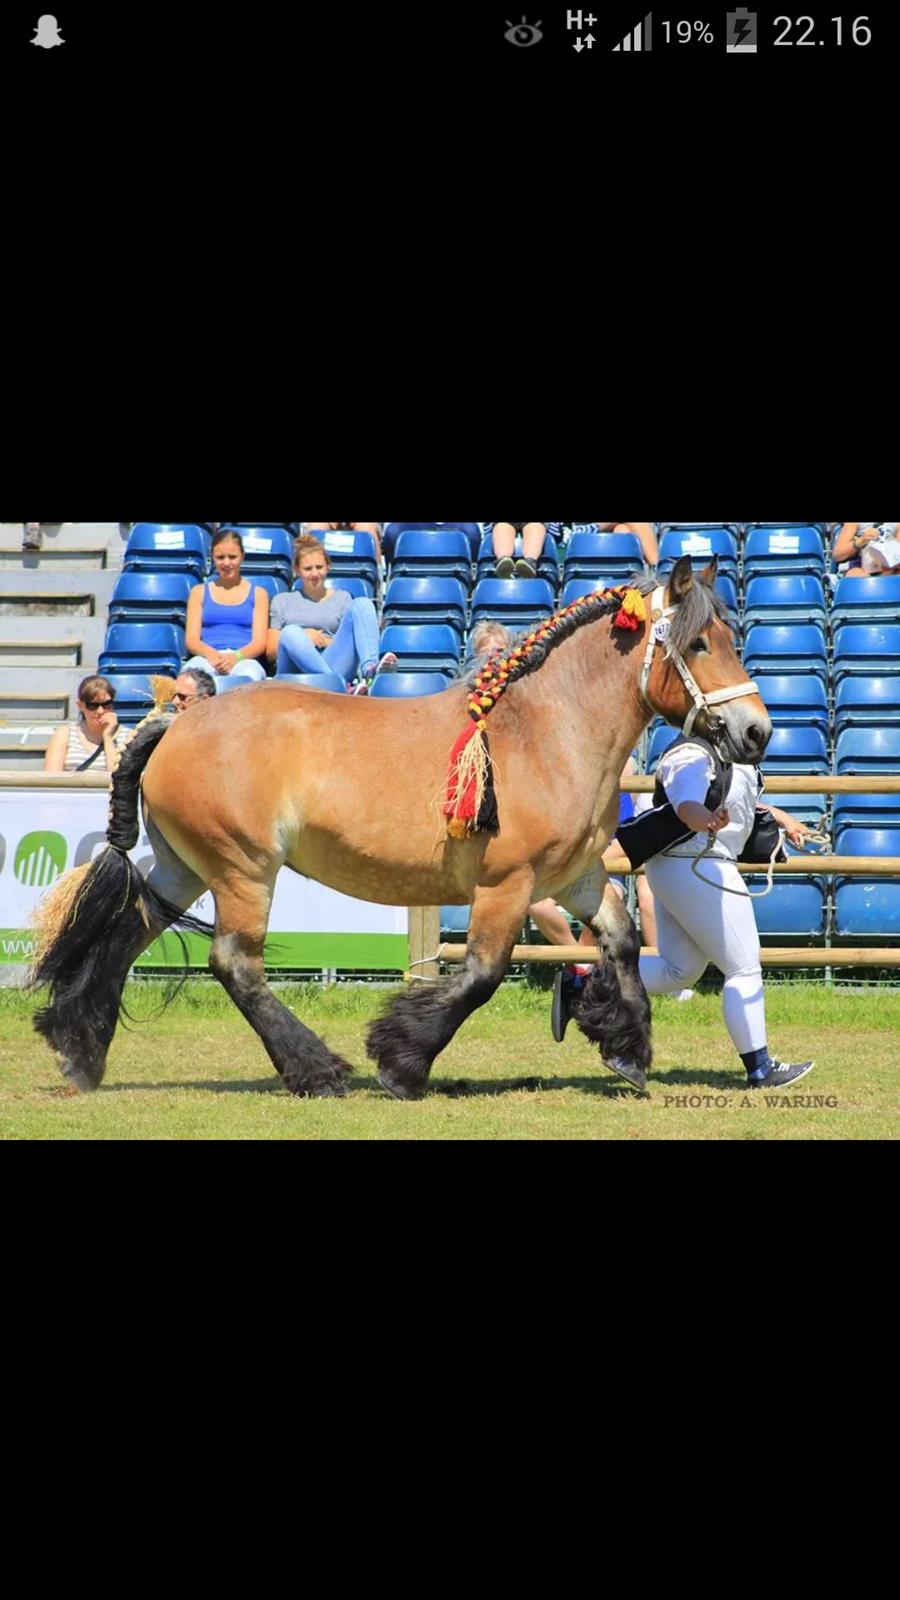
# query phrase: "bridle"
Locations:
[[660, 628]]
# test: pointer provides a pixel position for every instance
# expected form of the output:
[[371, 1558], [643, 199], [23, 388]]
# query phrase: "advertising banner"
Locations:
[[43, 834]]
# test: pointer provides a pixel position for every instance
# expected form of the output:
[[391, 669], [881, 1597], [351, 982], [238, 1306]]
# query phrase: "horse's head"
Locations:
[[692, 675]]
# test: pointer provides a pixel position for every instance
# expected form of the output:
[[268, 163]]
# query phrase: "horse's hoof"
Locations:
[[629, 1070], [394, 1087], [321, 1089], [77, 1077]]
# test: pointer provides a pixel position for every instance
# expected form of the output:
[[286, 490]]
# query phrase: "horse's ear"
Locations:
[[681, 579], [708, 575]]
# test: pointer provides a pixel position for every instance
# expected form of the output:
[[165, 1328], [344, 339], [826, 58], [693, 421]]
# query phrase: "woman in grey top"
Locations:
[[315, 629]]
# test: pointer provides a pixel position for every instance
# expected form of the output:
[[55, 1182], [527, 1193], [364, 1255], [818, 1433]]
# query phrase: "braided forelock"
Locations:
[[693, 615], [559, 628]]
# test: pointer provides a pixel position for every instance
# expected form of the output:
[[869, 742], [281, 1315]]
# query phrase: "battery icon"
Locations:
[[740, 33]]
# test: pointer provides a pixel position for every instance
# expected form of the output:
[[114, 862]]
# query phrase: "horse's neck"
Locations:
[[592, 673]]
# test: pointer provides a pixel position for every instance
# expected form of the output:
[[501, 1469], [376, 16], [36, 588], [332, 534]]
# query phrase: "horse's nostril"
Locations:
[[755, 734]]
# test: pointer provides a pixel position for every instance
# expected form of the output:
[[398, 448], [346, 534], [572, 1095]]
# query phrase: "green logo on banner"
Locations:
[[40, 859]]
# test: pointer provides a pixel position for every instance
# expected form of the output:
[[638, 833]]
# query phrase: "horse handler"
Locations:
[[702, 918]]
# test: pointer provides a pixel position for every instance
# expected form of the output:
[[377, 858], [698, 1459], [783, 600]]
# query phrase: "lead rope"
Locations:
[[815, 836]]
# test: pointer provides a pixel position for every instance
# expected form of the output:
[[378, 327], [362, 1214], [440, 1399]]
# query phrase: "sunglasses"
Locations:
[[98, 705], [184, 698]]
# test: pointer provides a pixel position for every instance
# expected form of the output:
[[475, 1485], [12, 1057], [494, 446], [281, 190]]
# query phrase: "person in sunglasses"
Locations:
[[192, 684], [95, 742]]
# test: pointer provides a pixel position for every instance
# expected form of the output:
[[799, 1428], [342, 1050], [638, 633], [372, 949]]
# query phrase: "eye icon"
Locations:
[[524, 32]]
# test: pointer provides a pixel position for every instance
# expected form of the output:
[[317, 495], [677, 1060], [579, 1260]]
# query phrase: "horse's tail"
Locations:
[[96, 917]]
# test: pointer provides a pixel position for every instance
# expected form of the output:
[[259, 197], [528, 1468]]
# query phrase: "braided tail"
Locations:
[[101, 914]]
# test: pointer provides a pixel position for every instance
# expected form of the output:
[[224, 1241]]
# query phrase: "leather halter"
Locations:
[[659, 635]]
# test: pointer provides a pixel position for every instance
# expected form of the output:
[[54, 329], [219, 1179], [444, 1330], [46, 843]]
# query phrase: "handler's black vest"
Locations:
[[652, 831]]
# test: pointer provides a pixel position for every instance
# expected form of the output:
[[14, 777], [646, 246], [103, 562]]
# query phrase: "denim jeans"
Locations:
[[355, 644]]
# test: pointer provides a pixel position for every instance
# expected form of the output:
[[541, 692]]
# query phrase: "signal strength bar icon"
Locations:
[[640, 37]]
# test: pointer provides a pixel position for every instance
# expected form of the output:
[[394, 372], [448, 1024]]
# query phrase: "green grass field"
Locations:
[[196, 1071]]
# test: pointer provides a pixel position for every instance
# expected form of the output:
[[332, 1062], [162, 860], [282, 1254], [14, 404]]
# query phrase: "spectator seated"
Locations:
[[547, 564], [266, 550]]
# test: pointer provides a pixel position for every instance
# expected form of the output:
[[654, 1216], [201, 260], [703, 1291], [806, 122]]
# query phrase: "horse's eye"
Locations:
[[699, 645]]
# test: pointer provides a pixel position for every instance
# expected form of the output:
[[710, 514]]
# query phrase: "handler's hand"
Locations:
[[718, 819]]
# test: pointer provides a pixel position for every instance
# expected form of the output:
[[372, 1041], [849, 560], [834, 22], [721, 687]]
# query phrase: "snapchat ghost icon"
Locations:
[[47, 33]]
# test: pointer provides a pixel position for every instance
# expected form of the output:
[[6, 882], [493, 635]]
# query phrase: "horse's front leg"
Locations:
[[420, 1023], [613, 1010]]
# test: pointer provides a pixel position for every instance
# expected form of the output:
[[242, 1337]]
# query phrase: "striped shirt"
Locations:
[[78, 749]]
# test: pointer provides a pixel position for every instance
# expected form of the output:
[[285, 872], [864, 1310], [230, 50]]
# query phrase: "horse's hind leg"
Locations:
[[614, 1010], [306, 1064], [420, 1023]]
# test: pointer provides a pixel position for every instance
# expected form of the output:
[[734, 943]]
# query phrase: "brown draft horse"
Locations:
[[349, 792]]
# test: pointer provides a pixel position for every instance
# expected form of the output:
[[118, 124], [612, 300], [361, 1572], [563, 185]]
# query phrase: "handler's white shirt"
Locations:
[[686, 774]]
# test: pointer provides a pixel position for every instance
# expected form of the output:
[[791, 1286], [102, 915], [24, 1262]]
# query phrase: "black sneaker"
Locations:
[[781, 1073], [567, 989], [505, 567], [525, 568]]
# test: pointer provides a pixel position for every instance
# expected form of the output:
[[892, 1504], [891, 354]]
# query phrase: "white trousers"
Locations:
[[697, 924]]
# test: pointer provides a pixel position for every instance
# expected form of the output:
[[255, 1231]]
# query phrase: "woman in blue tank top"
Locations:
[[227, 619]]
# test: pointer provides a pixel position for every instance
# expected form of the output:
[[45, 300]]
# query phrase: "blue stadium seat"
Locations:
[[796, 750], [796, 701], [865, 600], [330, 681], [392, 531], [872, 650], [785, 650], [577, 588], [660, 739], [870, 749], [868, 907], [454, 920], [134, 697], [426, 600], [611, 556], [266, 550], [359, 588], [865, 811], [860, 701], [795, 908], [701, 527], [272, 585], [701, 544], [424, 648], [547, 566], [151, 597], [777, 600], [516, 602], [408, 685], [352, 555], [443, 553], [786, 549], [142, 647], [292, 527], [167, 547], [808, 808]]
